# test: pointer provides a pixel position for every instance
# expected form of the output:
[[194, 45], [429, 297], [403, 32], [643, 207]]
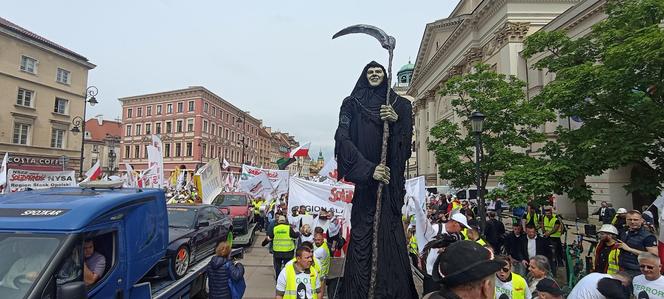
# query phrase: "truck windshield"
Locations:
[[230, 200], [181, 217], [24, 257]]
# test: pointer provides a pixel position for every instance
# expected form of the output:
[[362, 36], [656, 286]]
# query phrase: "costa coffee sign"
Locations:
[[25, 160]]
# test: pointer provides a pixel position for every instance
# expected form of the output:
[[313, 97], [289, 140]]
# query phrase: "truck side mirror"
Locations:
[[74, 290], [204, 223]]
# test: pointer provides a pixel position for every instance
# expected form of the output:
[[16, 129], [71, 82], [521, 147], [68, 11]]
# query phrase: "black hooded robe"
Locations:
[[357, 150]]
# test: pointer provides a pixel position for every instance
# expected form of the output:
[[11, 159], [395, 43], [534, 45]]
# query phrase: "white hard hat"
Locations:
[[608, 228], [622, 211], [458, 217]]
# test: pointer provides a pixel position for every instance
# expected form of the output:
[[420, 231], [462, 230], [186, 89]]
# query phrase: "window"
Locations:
[[29, 64], [157, 128], [212, 129], [139, 112], [169, 108], [137, 151], [178, 126], [60, 106], [95, 148], [191, 106], [190, 125], [205, 126], [63, 76], [204, 149], [21, 133], [148, 129], [126, 152], [226, 117], [129, 112], [226, 134], [148, 111], [158, 109], [24, 97], [145, 151], [169, 127], [139, 130], [214, 111], [206, 107], [167, 150], [189, 149], [178, 149], [128, 131], [57, 138], [180, 105]]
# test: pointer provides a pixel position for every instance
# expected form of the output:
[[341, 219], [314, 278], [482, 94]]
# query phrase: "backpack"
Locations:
[[237, 287]]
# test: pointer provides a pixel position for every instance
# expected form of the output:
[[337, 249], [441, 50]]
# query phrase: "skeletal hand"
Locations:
[[382, 174], [387, 113]]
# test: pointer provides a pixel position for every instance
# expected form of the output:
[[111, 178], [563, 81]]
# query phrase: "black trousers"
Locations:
[[279, 263], [558, 247]]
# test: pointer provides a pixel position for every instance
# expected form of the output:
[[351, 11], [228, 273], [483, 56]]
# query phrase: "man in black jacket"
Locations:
[[534, 245], [514, 248], [605, 213], [495, 232]]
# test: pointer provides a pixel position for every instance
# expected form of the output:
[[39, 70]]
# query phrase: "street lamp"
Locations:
[[111, 141], [89, 97], [477, 125]]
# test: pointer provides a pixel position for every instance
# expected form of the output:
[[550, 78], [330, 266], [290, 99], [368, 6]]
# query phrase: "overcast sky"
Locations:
[[273, 58]]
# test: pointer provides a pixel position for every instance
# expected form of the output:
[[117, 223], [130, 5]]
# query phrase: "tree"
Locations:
[[511, 126], [611, 79]]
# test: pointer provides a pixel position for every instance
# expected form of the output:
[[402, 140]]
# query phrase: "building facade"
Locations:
[[493, 32], [476, 31], [42, 87], [404, 78], [102, 143], [195, 126]]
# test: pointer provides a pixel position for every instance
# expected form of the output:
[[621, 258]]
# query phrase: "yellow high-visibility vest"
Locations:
[[550, 223], [282, 241], [291, 286], [412, 246]]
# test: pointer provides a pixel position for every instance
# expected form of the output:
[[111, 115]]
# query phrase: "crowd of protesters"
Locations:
[[459, 260]]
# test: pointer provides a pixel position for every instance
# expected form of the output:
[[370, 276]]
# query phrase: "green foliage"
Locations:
[[511, 126], [612, 79]]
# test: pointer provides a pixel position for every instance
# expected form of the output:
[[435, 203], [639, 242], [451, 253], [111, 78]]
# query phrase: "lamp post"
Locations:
[[111, 141], [243, 121], [477, 124], [88, 97]]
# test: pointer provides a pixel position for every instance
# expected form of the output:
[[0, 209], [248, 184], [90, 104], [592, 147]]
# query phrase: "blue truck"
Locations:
[[45, 235]]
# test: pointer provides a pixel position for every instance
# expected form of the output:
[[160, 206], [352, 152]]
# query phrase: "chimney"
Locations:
[[100, 119]]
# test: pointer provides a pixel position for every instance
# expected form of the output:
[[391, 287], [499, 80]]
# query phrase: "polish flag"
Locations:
[[300, 151], [225, 164], [93, 173]]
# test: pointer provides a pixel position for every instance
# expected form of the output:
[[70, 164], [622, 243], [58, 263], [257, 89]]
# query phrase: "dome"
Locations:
[[407, 68]]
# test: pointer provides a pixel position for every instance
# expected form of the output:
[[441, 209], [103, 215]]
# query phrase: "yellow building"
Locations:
[[493, 32], [42, 87]]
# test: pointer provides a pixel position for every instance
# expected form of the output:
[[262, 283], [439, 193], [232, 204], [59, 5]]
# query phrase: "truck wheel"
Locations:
[[180, 262]]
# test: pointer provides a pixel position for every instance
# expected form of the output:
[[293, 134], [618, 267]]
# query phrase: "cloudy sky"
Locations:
[[273, 58]]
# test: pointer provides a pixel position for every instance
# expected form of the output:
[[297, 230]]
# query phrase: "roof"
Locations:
[[407, 67], [98, 131], [4, 23], [79, 206]]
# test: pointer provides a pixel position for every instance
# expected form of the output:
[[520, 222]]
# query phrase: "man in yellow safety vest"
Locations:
[[607, 253], [509, 284], [282, 236], [299, 279], [552, 228]]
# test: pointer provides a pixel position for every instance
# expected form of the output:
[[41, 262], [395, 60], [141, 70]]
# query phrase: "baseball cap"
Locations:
[[458, 217], [550, 286], [608, 228], [464, 261]]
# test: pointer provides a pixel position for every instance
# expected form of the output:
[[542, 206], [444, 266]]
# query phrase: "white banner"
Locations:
[[19, 179], [415, 195], [257, 186], [274, 175], [315, 196], [329, 169], [208, 181], [158, 158], [156, 162]]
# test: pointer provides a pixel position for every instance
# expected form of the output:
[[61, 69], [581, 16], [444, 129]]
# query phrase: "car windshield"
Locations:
[[230, 200], [181, 217], [24, 257]]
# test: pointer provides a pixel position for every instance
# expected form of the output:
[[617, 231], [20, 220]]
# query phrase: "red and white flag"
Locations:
[[300, 151], [225, 164], [93, 173]]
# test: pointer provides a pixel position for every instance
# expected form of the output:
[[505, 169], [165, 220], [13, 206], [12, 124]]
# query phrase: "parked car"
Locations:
[[238, 204], [194, 231]]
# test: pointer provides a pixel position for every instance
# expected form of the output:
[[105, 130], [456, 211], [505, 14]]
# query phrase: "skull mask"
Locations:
[[375, 75]]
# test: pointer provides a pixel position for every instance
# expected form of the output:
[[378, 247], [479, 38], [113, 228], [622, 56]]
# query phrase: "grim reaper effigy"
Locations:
[[359, 142]]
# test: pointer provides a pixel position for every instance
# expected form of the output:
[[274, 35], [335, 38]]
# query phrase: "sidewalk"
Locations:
[[259, 272]]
